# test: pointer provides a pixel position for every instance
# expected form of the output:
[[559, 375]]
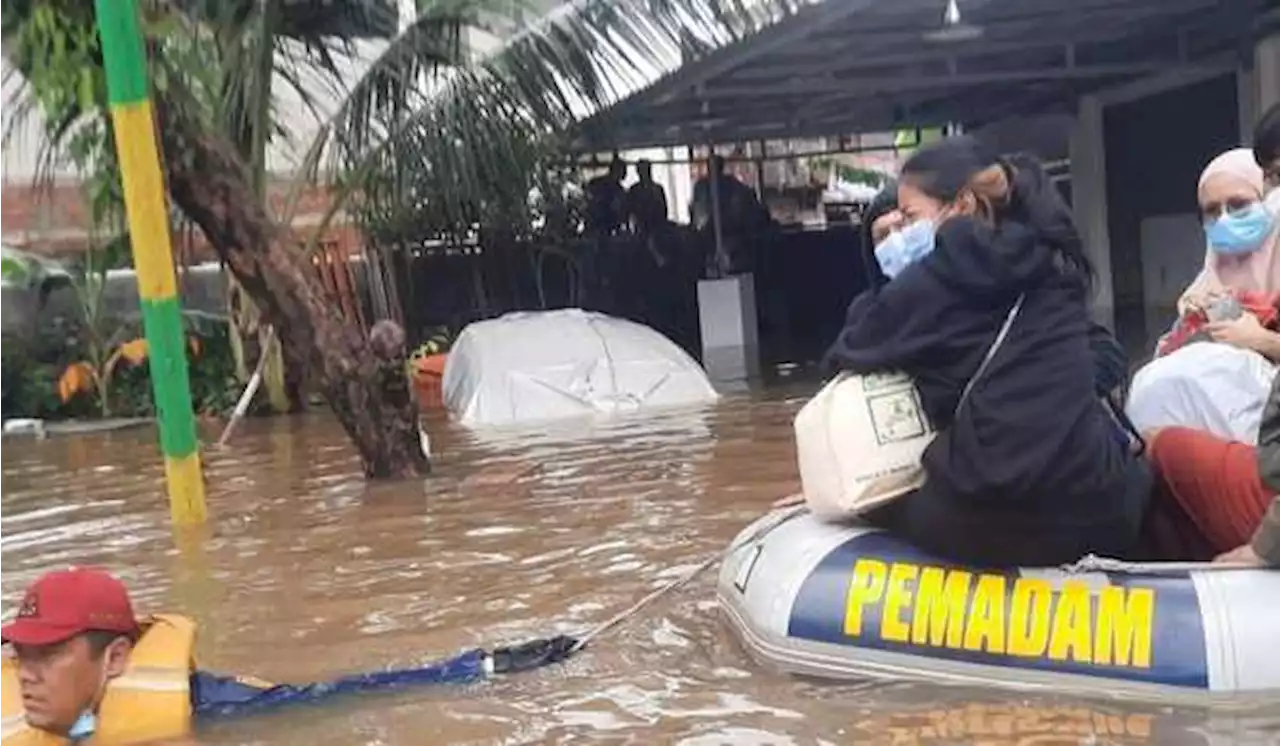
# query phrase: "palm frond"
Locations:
[[434, 132]]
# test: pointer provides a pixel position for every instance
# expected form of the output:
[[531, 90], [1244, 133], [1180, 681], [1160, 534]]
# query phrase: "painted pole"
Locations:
[[124, 55]]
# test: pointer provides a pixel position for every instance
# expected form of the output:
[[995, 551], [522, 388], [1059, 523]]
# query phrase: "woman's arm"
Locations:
[[891, 326], [1249, 333], [1269, 345], [1110, 362]]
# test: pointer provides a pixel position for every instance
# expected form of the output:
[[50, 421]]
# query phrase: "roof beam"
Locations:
[[924, 82], [1021, 15], [774, 37], [1168, 80], [1080, 27], [1057, 43]]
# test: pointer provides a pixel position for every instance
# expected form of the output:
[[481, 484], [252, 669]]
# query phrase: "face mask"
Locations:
[[1240, 232], [84, 726], [87, 723], [1272, 202], [903, 248]]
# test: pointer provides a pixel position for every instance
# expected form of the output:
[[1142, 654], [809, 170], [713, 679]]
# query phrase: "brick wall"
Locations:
[[54, 221]]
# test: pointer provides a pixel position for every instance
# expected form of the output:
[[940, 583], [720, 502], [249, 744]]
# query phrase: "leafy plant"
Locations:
[[29, 385], [423, 360], [439, 340], [97, 375], [214, 386]]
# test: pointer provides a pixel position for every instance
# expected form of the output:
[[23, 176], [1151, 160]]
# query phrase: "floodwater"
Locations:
[[305, 572]]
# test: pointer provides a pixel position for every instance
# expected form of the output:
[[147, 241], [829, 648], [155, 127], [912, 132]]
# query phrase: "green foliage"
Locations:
[[439, 339], [436, 141], [30, 386], [851, 174], [214, 387], [31, 371], [15, 271]]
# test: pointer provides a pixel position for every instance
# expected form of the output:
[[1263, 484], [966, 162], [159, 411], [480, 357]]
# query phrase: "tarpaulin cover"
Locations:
[[529, 367]]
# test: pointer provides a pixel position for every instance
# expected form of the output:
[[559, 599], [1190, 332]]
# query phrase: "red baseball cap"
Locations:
[[64, 603]]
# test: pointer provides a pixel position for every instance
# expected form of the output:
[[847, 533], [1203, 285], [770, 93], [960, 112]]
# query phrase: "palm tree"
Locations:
[[476, 124]]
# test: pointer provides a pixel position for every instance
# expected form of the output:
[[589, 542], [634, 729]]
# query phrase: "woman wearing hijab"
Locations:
[[1243, 245], [1213, 371], [1029, 470], [1224, 485]]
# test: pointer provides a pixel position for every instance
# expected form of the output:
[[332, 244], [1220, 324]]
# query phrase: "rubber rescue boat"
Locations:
[[851, 602]]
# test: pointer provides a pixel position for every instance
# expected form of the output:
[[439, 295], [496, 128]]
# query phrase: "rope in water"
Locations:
[[683, 580]]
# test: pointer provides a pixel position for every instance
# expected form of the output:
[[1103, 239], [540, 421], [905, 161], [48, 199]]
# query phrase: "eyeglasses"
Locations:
[[1215, 210]]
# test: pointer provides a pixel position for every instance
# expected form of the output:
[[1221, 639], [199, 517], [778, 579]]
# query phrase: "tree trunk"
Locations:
[[207, 179]]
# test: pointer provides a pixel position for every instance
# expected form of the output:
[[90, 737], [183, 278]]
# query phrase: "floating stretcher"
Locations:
[[846, 602]]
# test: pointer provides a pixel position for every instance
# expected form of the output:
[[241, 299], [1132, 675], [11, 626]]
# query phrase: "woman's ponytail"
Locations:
[[1036, 202]]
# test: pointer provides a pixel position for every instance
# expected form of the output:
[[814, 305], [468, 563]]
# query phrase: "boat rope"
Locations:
[[1094, 563], [635, 608], [222, 696]]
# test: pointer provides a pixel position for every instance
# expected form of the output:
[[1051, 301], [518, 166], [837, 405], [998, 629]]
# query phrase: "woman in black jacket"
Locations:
[[1030, 470]]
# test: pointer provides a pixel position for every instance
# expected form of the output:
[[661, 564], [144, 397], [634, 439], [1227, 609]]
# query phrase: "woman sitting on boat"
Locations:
[[1030, 471], [1213, 370]]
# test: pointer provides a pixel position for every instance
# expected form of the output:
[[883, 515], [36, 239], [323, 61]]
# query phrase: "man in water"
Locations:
[[84, 666]]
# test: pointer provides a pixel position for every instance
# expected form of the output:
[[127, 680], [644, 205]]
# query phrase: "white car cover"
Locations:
[[1208, 386], [527, 367]]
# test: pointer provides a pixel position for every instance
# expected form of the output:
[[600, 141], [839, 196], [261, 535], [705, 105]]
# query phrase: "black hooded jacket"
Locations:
[[1033, 449]]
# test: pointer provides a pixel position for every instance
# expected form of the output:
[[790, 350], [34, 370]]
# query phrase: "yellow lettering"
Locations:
[[1138, 725], [985, 630], [1002, 725], [1069, 638], [938, 617], [865, 587], [1032, 721], [1099, 723], [1029, 617], [897, 595], [1123, 636], [977, 724]]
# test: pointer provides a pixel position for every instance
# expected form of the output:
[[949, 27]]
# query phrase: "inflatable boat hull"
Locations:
[[848, 602]]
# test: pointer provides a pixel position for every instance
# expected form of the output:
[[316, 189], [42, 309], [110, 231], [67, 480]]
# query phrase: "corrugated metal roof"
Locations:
[[848, 66]]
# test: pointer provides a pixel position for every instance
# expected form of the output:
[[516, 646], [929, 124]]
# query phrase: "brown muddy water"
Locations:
[[305, 572]]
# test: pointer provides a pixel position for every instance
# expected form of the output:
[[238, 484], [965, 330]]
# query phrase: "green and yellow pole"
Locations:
[[144, 199]]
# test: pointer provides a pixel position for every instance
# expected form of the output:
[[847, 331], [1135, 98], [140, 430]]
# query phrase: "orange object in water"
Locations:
[[428, 378]]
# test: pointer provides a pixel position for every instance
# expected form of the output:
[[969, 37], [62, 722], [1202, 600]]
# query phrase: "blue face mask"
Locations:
[[903, 248], [84, 726], [1240, 232]]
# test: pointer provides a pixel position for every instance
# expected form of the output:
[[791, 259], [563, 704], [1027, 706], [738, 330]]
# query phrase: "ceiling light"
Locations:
[[953, 27]]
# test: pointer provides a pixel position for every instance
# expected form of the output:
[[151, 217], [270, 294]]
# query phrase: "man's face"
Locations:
[[60, 681]]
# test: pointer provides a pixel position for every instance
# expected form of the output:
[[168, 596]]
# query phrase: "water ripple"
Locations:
[[306, 571]]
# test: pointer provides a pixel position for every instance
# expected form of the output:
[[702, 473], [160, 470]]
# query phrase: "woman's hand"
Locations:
[[1246, 332], [1241, 555], [885, 224]]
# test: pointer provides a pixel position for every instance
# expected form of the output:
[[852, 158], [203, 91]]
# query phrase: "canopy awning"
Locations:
[[854, 66]]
